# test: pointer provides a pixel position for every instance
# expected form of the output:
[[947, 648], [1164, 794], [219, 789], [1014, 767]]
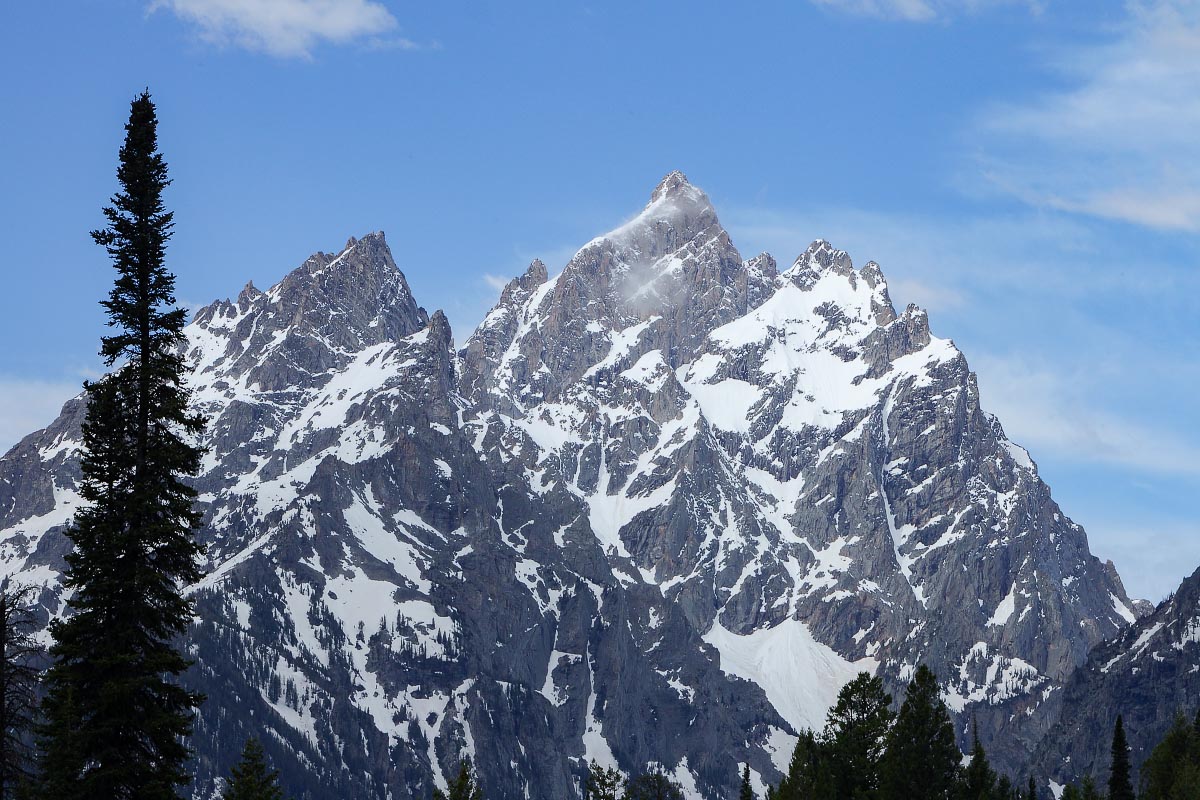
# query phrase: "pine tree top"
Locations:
[[251, 778]]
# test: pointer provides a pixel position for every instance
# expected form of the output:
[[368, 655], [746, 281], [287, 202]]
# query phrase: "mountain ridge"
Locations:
[[700, 493]]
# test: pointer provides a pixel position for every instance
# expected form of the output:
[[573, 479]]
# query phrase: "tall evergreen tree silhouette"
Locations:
[[978, 779], [117, 719], [922, 757], [856, 731], [19, 674], [1120, 778], [746, 792]]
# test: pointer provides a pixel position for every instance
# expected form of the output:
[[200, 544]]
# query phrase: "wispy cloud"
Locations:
[[930, 296], [28, 405], [1052, 409], [290, 28], [1153, 555], [937, 263], [1119, 142], [497, 282], [947, 263], [915, 10], [1043, 286]]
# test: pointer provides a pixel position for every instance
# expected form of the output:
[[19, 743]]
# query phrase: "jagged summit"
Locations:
[[672, 184], [650, 498], [821, 256]]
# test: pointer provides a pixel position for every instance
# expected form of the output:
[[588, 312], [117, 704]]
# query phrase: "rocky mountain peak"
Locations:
[[534, 276], [439, 330], [819, 258], [673, 184], [249, 294], [356, 297]]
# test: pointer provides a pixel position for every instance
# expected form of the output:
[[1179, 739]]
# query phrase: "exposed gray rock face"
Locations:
[[1148, 674], [657, 510]]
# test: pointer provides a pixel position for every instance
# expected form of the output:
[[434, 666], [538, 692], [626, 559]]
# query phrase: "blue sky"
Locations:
[[1029, 171]]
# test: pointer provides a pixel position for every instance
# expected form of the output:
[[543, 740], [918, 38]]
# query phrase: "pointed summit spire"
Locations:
[[248, 295], [672, 184]]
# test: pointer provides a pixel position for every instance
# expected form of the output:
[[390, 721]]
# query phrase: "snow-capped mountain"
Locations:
[[656, 511]]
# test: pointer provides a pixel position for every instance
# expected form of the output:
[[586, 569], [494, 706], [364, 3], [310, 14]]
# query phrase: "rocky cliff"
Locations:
[[655, 511]]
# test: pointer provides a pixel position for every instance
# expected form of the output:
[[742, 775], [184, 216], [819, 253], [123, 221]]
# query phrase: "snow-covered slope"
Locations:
[[657, 510]]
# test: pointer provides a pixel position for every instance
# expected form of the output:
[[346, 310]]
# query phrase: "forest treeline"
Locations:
[[867, 751]]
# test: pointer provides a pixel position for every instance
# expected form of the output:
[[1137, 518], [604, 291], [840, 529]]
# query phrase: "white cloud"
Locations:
[[28, 405], [961, 262], [930, 296], [915, 10], [288, 28], [1153, 556], [497, 282], [1051, 409], [936, 263], [1120, 142]]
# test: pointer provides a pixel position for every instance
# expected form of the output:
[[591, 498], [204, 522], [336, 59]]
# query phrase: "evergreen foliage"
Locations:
[[652, 786], [252, 779], [810, 773], [978, 779], [1120, 780], [856, 730], [603, 783], [746, 792], [465, 785], [922, 757], [19, 675], [1172, 772], [116, 719]]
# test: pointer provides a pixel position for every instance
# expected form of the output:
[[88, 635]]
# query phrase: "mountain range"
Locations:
[[655, 510]]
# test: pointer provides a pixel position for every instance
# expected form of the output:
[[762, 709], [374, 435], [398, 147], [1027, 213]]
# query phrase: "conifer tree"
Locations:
[[1172, 772], [856, 730], [603, 783], [19, 675], [465, 785], [652, 786], [922, 757], [1086, 790], [978, 779], [747, 791], [1120, 779], [116, 718], [251, 778], [809, 775], [1031, 789]]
